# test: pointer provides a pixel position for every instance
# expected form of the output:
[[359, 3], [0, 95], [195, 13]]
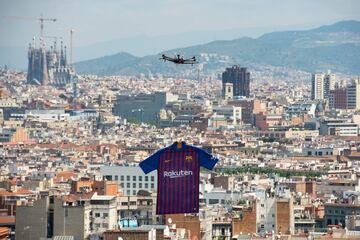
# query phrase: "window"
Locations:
[[128, 185], [262, 205], [127, 192], [140, 178], [122, 177], [134, 185], [140, 185], [262, 226], [105, 215], [146, 185], [152, 186], [116, 178], [146, 178], [134, 192], [273, 215], [128, 178], [105, 225], [122, 185], [329, 222], [213, 201], [97, 214], [134, 178], [262, 216], [152, 178]]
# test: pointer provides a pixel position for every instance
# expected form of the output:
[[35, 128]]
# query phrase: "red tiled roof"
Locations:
[[6, 193], [23, 191], [7, 219], [4, 231], [65, 176]]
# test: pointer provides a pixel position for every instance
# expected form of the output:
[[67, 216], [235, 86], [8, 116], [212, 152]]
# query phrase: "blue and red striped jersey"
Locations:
[[178, 177]]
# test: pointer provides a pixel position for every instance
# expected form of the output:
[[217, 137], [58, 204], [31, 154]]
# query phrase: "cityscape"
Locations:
[[255, 135]]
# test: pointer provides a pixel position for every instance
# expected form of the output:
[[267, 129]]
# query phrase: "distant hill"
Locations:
[[139, 45], [335, 47]]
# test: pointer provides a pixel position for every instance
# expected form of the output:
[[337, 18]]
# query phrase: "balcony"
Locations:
[[304, 221]]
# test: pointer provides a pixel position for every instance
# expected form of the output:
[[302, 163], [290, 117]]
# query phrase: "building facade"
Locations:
[[228, 91], [321, 84], [142, 107], [130, 178], [353, 95]]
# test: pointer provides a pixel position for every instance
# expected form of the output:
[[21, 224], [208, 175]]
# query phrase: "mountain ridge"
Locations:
[[335, 47]]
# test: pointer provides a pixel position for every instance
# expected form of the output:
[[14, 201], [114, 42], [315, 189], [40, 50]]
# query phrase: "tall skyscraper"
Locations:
[[321, 84], [240, 78]]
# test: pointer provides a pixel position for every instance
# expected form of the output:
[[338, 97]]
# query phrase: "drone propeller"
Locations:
[[163, 57]]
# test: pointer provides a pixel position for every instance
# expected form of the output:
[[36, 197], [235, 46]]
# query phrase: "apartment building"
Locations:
[[130, 178]]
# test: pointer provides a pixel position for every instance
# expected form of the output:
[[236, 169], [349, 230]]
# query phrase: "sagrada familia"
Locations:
[[48, 67]]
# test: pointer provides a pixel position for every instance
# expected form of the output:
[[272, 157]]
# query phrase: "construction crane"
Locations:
[[53, 37], [41, 19]]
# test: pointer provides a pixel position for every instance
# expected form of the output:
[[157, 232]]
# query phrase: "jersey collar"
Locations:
[[174, 146]]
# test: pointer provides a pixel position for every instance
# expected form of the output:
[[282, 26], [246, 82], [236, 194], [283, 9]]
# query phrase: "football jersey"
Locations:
[[178, 177]]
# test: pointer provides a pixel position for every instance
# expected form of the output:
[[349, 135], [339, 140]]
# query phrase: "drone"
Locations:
[[179, 59]]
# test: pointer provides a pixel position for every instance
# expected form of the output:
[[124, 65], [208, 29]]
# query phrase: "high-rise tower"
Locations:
[[321, 84], [240, 79]]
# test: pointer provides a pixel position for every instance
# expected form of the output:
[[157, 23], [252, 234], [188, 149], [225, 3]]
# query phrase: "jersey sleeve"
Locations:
[[206, 160], [151, 163]]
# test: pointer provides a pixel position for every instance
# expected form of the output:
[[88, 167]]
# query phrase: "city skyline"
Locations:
[[255, 138]]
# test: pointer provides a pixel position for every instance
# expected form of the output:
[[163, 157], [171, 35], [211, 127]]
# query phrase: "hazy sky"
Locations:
[[102, 20]]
